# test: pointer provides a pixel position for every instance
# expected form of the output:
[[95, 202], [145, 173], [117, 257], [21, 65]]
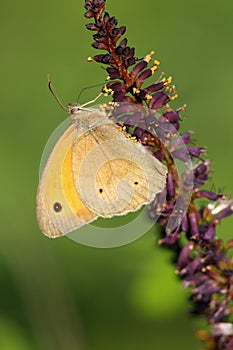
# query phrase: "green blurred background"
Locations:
[[57, 294]]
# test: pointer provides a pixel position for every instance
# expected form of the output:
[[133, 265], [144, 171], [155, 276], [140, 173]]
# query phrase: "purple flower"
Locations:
[[202, 262]]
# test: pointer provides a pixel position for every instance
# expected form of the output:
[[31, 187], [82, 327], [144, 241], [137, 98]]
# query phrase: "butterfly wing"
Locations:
[[59, 208], [112, 174], [92, 172]]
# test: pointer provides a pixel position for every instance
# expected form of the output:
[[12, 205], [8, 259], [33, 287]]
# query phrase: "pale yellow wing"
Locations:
[[112, 174], [59, 208]]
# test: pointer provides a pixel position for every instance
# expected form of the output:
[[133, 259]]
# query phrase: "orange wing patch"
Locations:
[[69, 191]]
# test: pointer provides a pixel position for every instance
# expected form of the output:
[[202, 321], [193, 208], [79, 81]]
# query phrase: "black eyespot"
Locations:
[[100, 190], [57, 207], [135, 183]]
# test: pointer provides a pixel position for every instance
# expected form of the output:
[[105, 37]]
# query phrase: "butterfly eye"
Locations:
[[74, 110], [57, 207]]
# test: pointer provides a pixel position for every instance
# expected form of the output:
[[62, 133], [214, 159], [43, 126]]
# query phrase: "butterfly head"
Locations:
[[74, 109]]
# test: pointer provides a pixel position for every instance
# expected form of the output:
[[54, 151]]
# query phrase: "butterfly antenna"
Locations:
[[86, 88], [54, 94], [92, 101]]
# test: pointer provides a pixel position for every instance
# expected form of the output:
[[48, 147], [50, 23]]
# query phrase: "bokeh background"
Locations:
[[57, 294]]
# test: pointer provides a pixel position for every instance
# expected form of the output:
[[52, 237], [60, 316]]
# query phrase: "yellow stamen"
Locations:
[[156, 62], [174, 97], [136, 91], [167, 81], [89, 59], [154, 68], [107, 90], [121, 127], [148, 97], [147, 58]]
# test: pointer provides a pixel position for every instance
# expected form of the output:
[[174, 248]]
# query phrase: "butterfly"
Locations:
[[94, 170]]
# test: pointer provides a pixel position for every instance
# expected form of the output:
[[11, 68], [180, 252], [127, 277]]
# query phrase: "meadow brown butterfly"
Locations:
[[94, 170]]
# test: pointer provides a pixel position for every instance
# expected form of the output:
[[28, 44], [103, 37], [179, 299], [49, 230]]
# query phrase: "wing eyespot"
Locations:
[[57, 207], [101, 190]]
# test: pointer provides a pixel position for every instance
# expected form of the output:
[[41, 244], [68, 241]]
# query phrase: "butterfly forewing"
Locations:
[[113, 174], [95, 170]]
